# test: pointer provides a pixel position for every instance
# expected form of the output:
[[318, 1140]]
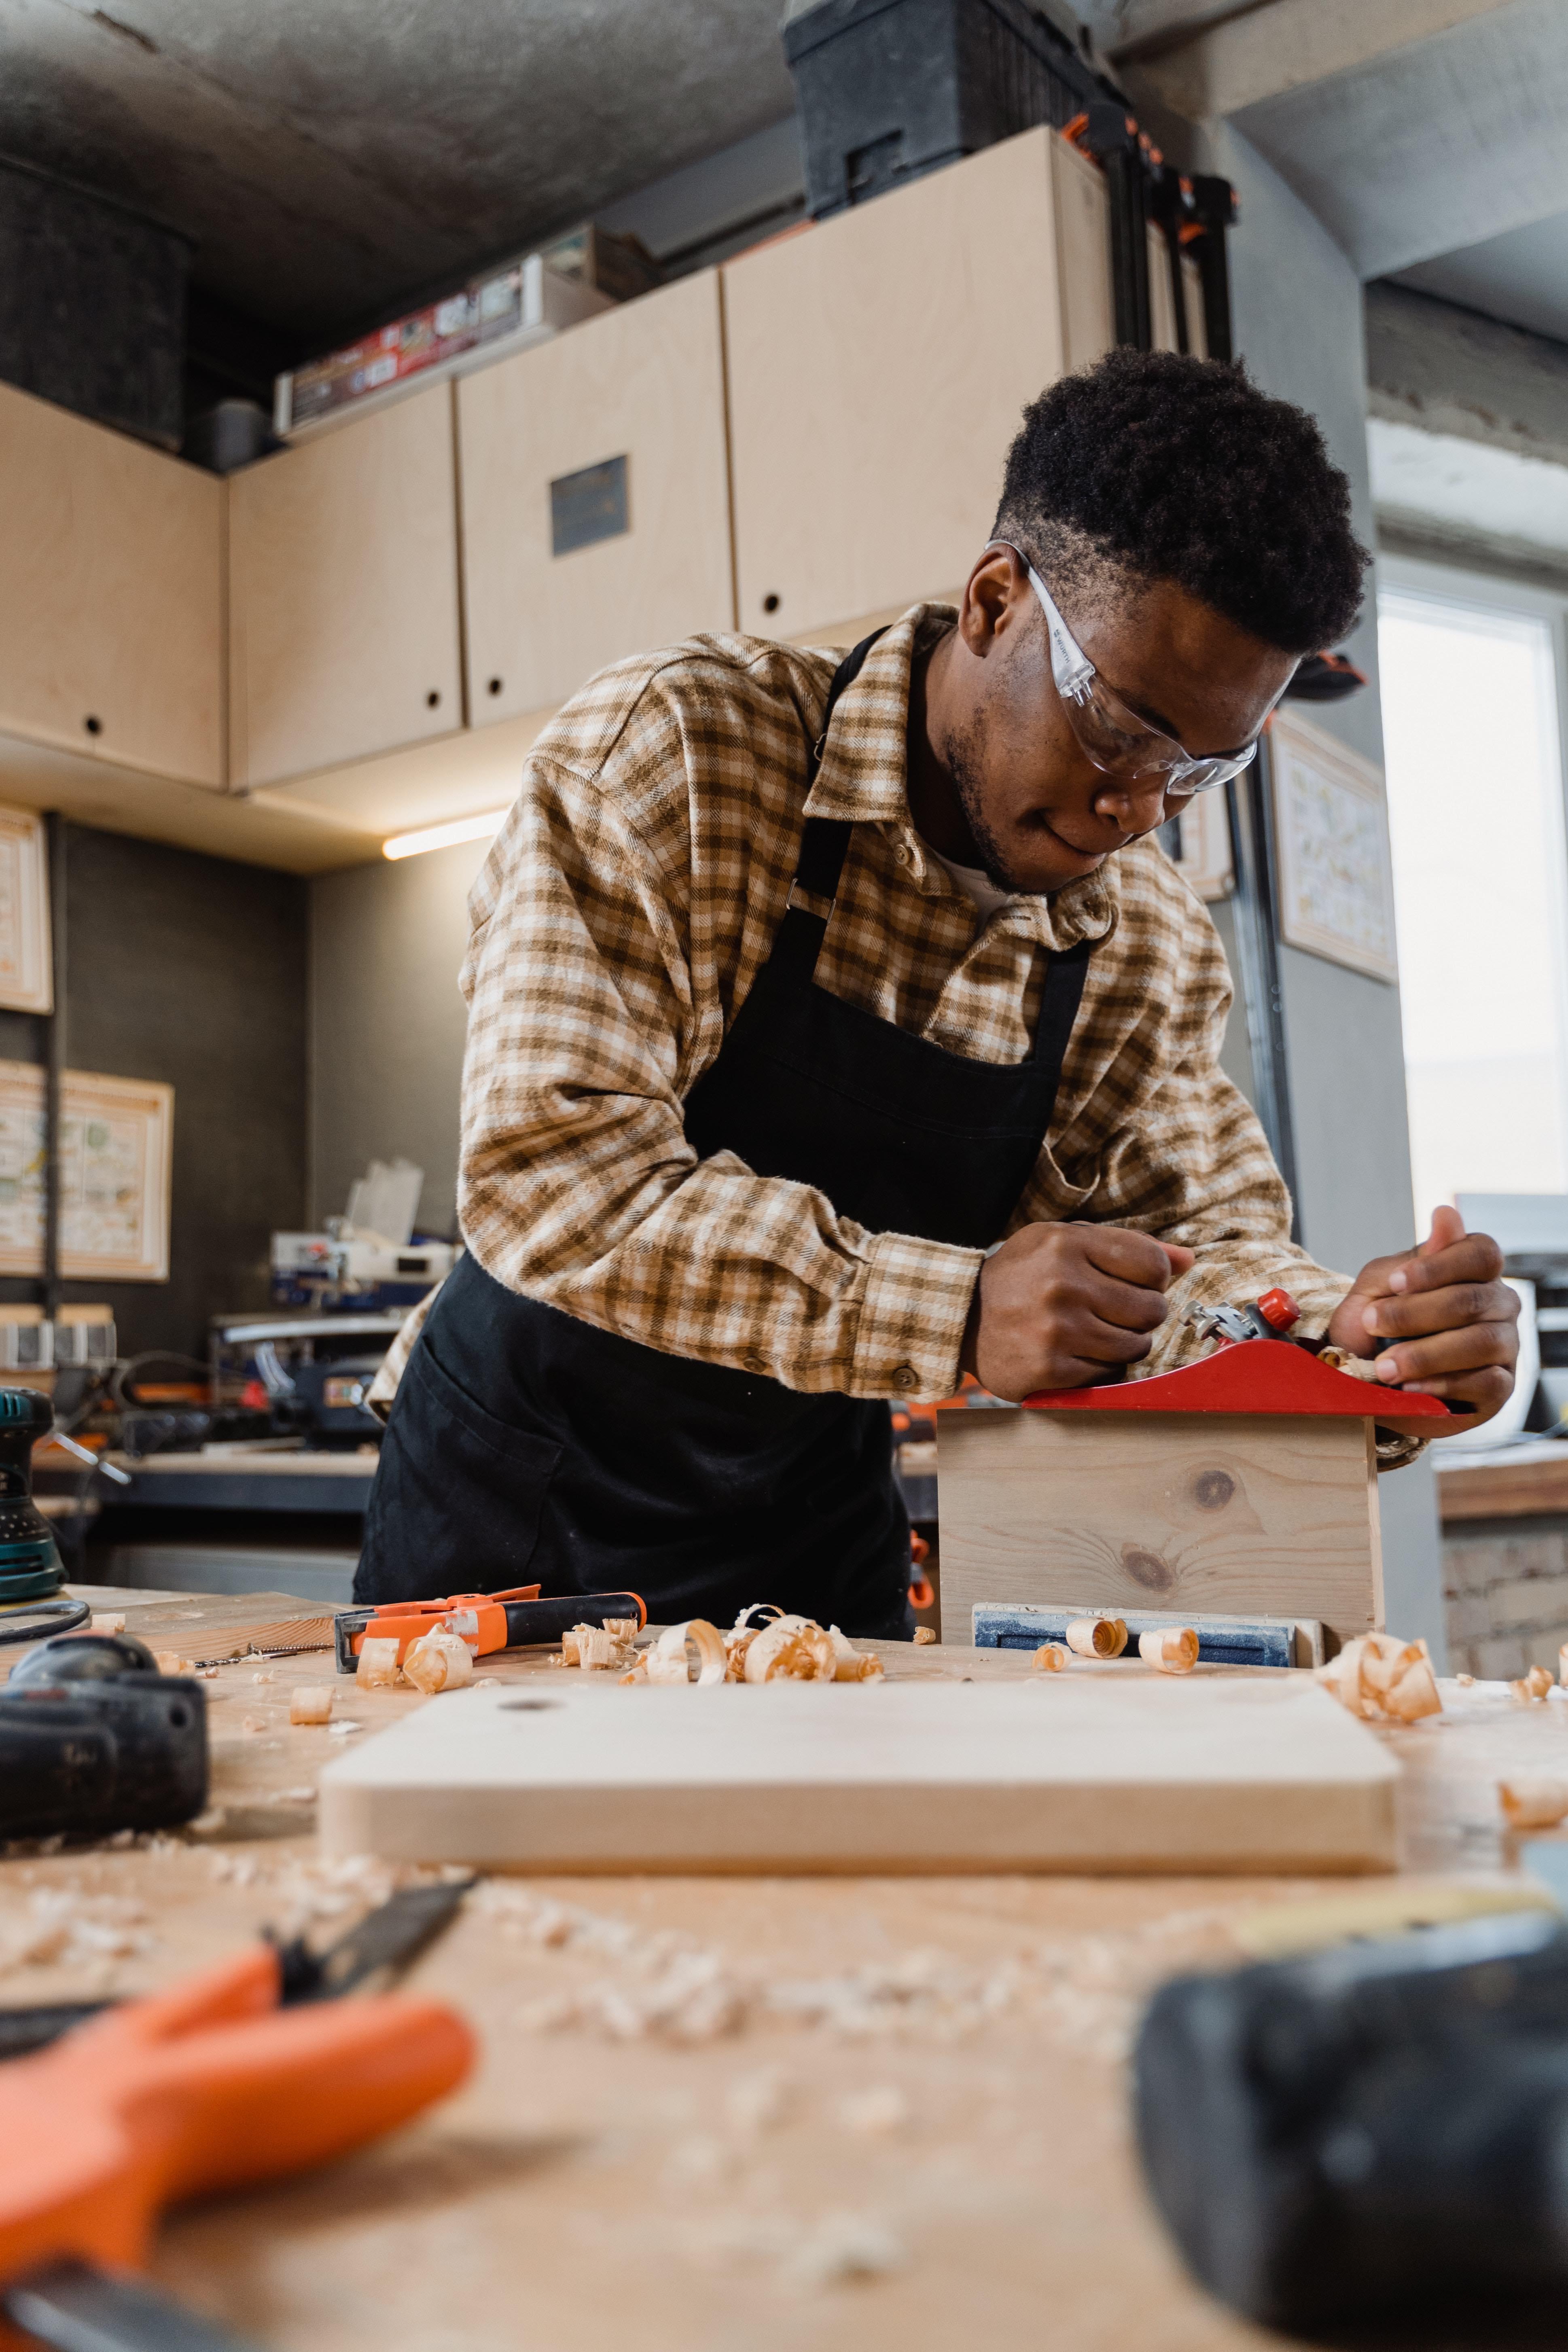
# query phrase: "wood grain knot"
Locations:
[[1148, 1568], [1213, 1489]]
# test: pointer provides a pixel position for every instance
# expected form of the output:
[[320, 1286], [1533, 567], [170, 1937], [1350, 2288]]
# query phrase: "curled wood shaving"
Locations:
[[1049, 1658], [850, 1664], [169, 1661], [378, 1668], [1534, 1804], [1170, 1649], [791, 1649], [438, 1661], [1533, 1688], [924, 1633], [1355, 1368], [1377, 1675], [106, 1621], [310, 1703], [1097, 1637], [1466, 1681]]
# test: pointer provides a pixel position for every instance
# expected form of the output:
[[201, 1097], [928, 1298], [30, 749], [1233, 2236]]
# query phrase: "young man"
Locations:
[[836, 1027]]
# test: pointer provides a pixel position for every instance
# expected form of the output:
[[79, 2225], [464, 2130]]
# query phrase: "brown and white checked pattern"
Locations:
[[622, 914]]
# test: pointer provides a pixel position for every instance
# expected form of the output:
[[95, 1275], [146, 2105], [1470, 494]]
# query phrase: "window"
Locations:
[[1472, 698]]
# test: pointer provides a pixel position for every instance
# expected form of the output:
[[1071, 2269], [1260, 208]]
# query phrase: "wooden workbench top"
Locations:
[[712, 2115]]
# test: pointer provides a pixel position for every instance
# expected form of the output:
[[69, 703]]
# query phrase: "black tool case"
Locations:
[[890, 88]]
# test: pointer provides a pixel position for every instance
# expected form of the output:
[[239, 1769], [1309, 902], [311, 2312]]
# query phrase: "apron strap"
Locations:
[[1060, 1000], [823, 842]]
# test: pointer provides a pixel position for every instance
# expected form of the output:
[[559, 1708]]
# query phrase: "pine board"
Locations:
[[1107, 1768], [1213, 1513]]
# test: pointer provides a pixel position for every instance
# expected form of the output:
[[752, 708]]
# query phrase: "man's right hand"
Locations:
[[1060, 1306]]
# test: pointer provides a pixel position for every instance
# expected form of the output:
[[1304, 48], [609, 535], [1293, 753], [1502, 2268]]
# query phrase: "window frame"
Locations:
[[1464, 589]]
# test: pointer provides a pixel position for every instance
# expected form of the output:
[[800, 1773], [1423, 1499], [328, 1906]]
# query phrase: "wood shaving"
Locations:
[[924, 1633], [883, 2108], [1533, 1689], [599, 1648], [310, 1703], [1466, 1681], [438, 1661], [59, 1927], [1050, 1658], [760, 2102], [254, 1723], [1170, 1649], [1097, 1637], [263, 1678], [792, 1649], [377, 1668], [1382, 1678], [106, 1623], [1355, 1368], [1534, 1804], [850, 1664], [169, 1661]]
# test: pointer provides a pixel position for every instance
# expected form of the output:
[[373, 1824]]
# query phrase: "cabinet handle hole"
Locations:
[[494, 687], [93, 726], [432, 698], [771, 602]]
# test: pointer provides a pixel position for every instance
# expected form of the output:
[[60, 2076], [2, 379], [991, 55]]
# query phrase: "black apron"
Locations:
[[526, 1446]]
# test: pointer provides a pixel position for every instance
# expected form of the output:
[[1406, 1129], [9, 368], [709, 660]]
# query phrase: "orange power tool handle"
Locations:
[[207, 2086]]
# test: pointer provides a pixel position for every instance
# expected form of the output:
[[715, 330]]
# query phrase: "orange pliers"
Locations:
[[207, 2086]]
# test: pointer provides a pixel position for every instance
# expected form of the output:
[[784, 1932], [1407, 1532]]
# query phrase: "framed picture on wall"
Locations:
[[1331, 819], [116, 1141], [25, 974]]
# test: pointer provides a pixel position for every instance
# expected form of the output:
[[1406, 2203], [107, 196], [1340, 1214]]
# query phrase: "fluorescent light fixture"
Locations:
[[442, 836]]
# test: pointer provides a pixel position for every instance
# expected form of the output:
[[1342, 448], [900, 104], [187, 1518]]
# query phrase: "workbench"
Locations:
[[711, 2115]]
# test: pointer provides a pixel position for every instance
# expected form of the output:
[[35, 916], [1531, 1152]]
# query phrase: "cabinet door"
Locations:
[[343, 593], [878, 363], [110, 595], [596, 501]]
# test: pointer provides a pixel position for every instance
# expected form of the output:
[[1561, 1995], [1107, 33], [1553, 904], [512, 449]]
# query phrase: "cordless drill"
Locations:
[[1381, 2123], [30, 1566]]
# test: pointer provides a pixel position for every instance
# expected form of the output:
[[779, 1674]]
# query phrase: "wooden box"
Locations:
[[1244, 1485]]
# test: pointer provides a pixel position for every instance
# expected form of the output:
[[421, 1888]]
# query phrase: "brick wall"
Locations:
[[1505, 1594]]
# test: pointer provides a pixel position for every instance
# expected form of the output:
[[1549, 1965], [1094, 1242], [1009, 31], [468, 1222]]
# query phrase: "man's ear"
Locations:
[[997, 599]]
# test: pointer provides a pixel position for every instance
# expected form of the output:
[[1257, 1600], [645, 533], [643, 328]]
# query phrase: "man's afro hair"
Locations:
[[1181, 469]]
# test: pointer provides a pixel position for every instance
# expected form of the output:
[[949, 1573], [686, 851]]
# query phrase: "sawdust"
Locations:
[[62, 1926], [1086, 1995]]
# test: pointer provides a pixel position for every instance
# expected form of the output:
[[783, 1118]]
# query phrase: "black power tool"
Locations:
[[30, 1564], [1385, 2124], [93, 1738]]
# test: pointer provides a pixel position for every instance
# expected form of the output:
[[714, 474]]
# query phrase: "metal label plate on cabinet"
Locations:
[[587, 506]]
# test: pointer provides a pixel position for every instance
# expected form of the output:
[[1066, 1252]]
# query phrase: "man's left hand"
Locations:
[[1438, 1318]]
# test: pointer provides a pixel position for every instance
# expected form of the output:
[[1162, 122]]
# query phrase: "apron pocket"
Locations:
[[458, 1498]]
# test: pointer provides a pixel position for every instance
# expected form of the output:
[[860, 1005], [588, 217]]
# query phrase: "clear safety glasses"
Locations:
[[1116, 739]]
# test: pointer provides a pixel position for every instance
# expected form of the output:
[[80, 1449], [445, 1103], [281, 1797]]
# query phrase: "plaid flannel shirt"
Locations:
[[622, 914]]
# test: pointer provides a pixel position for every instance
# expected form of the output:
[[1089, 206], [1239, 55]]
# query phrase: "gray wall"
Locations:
[[190, 970], [387, 1023], [1297, 313]]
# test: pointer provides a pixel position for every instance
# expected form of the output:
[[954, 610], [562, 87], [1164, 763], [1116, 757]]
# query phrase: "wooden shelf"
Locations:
[[1504, 1490]]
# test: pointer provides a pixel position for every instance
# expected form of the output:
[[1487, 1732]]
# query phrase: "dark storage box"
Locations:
[[890, 88], [93, 305]]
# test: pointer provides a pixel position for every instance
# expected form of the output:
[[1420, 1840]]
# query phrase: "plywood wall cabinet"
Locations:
[[110, 595], [594, 499], [344, 612], [1232, 1514], [878, 364]]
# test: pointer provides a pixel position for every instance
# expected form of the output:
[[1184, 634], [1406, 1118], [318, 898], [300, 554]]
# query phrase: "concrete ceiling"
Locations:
[[1520, 277], [327, 156]]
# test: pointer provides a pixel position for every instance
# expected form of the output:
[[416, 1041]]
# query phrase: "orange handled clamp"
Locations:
[[485, 1621], [207, 2086]]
